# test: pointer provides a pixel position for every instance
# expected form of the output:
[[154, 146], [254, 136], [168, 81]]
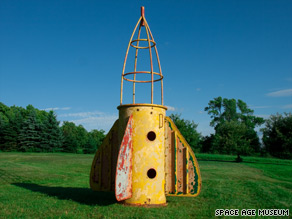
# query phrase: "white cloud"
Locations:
[[289, 106], [57, 108], [281, 93], [91, 120], [171, 108], [97, 122], [81, 114]]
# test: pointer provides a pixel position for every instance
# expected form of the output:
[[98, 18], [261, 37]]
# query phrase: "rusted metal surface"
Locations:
[[173, 161], [191, 176], [184, 171], [142, 22], [102, 175], [142, 15], [187, 178], [168, 161], [123, 185], [180, 167]]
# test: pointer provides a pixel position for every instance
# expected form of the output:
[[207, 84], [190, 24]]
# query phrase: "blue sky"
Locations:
[[68, 56]]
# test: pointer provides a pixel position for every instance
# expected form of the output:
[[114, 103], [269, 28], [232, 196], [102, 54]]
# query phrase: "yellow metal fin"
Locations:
[[103, 168], [182, 173], [123, 188]]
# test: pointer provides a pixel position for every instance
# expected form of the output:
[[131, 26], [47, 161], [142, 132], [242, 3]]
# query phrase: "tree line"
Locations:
[[32, 130], [234, 125]]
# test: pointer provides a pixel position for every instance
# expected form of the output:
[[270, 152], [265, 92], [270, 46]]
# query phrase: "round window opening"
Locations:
[[151, 173], [151, 136]]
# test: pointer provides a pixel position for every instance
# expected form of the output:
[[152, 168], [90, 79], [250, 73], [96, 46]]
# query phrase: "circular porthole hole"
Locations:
[[151, 136], [151, 173]]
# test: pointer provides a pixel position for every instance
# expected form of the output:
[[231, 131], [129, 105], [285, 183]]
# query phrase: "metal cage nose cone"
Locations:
[[142, 23]]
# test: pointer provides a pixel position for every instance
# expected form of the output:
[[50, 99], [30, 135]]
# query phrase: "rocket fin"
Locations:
[[182, 176], [103, 169], [123, 185]]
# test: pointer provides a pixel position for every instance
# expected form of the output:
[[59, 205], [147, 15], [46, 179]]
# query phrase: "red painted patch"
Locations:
[[123, 188]]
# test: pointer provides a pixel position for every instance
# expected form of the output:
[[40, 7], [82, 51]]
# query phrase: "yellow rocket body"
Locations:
[[144, 157], [148, 174]]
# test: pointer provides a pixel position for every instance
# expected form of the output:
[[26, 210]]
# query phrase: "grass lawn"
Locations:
[[56, 185]]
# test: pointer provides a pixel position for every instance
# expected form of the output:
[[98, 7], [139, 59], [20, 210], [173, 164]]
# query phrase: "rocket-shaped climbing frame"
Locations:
[[144, 157]]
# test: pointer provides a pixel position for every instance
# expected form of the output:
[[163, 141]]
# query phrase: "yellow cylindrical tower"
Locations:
[[148, 174]]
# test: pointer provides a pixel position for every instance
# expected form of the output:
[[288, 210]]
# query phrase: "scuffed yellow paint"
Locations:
[[106, 145], [146, 154], [189, 153]]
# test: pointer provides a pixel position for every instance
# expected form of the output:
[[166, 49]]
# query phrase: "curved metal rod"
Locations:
[[142, 72], [150, 54], [142, 47], [150, 40], [121, 95], [143, 81], [158, 61], [135, 66]]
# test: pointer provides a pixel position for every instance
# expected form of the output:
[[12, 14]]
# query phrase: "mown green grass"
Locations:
[[39, 185]]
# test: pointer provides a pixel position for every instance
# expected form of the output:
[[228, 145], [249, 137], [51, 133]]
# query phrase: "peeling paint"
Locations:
[[187, 178], [123, 189]]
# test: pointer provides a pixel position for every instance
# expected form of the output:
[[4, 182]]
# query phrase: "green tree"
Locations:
[[4, 132], [231, 138], [82, 138], [70, 143], [30, 134], [229, 115], [206, 142], [52, 138], [94, 140], [188, 130], [277, 135], [11, 119]]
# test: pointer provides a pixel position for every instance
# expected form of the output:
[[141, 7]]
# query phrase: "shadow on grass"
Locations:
[[81, 195]]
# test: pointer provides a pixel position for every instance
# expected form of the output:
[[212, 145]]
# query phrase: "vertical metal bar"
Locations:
[[151, 64], [158, 61], [184, 169], [187, 172], [136, 57], [173, 163], [121, 95]]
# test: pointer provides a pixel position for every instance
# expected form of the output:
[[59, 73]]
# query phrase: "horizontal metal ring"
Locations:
[[143, 47], [142, 72]]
